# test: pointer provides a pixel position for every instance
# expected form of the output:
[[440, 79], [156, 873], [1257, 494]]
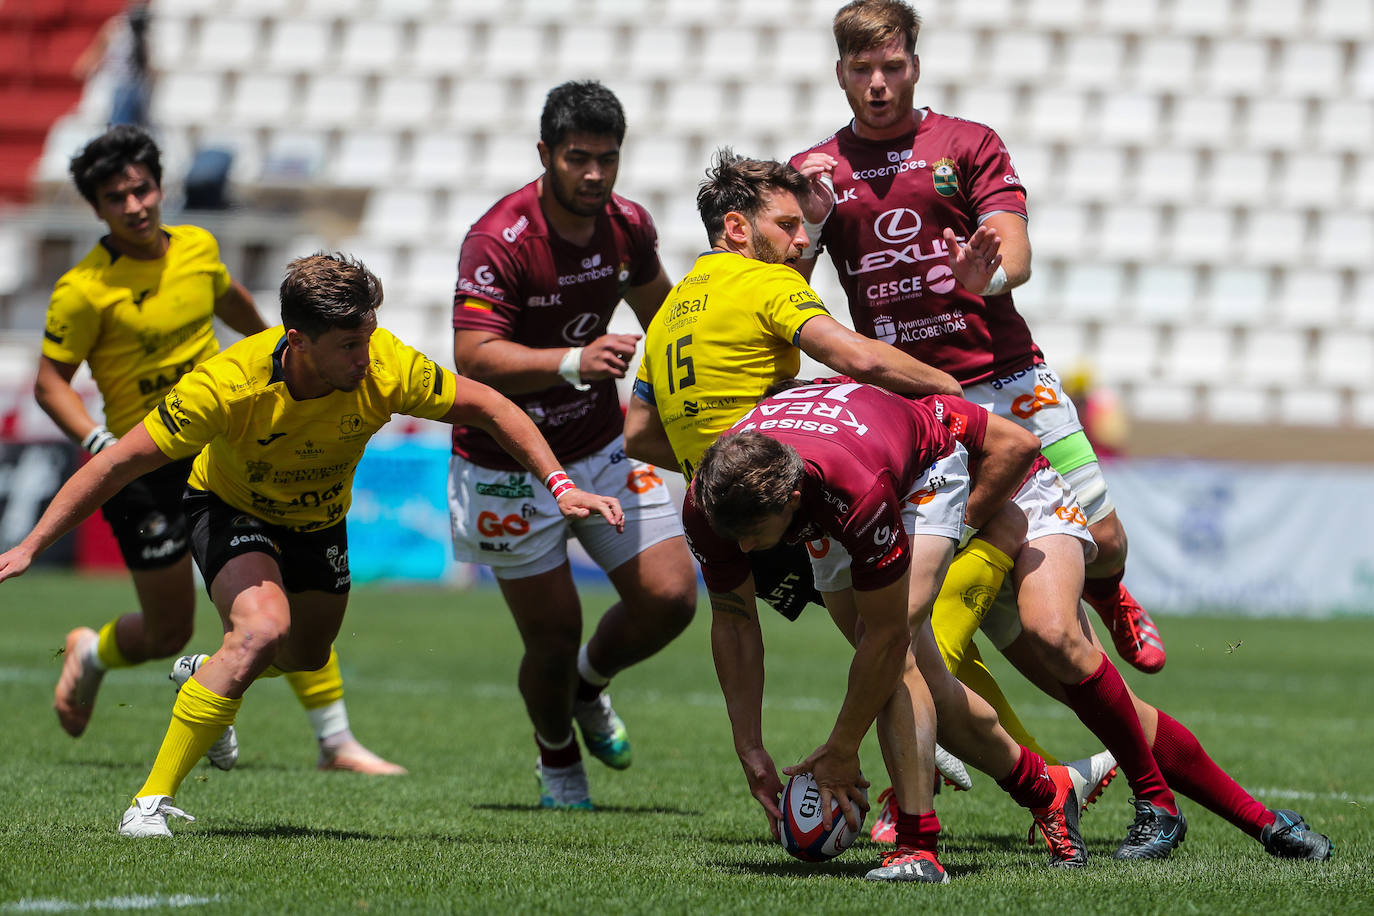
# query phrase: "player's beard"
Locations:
[[568, 200], [766, 251]]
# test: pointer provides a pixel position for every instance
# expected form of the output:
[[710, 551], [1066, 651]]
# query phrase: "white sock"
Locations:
[[93, 656], [587, 672], [328, 720]]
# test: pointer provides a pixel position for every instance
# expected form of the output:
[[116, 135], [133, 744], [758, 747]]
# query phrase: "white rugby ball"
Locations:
[[803, 833]]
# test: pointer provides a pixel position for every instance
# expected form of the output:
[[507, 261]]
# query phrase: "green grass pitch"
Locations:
[[1283, 704]]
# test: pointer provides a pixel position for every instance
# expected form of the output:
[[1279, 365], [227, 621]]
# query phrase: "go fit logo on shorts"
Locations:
[[642, 480], [491, 525], [1028, 405]]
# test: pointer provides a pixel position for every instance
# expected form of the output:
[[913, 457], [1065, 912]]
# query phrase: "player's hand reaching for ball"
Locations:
[[837, 776], [608, 356], [819, 200], [575, 503], [764, 785]]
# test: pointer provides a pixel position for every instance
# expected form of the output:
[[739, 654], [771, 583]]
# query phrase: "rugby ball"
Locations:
[[803, 834]]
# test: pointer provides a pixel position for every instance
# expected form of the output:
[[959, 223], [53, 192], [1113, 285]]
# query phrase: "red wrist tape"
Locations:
[[558, 483]]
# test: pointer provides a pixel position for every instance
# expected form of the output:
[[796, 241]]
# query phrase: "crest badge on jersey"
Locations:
[[945, 177]]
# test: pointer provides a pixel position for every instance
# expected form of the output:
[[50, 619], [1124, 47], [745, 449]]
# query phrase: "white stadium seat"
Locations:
[[1127, 352], [227, 44], [1202, 120], [1311, 297], [1339, 19], [263, 100], [186, 98], [440, 158], [299, 45], [1239, 404], [1272, 123], [1309, 407], [1274, 18], [1345, 357], [1199, 354], [1057, 114], [1130, 117], [1200, 235], [334, 100], [1345, 239], [1345, 125], [1165, 174], [1271, 355], [1238, 177], [1130, 232], [1239, 66], [1165, 402], [1163, 293], [398, 215], [443, 48], [368, 46], [1270, 236], [406, 101], [581, 50], [1237, 295], [1019, 57], [1092, 291], [1091, 61], [659, 52], [1058, 229], [1165, 63], [1310, 68], [1094, 173], [1206, 18], [366, 158]]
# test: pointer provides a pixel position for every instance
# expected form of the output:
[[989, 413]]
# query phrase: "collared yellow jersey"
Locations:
[[140, 324], [286, 461], [725, 333]]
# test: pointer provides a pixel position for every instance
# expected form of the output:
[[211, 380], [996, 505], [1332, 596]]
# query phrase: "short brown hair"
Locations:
[[328, 290], [867, 24], [743, 479], [736, 184]]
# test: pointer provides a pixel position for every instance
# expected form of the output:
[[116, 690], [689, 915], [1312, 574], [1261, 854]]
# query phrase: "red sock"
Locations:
[[564, 756], [1103, 589], [1102, 703], [1029, 783], [918, 831], [1186, 765]]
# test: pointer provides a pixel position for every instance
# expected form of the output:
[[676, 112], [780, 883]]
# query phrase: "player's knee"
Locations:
[[168, 639], [1111, 543], [1063, 648]]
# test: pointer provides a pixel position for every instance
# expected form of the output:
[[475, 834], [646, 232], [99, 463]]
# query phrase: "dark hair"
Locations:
[[110, 154], [743, 479], [736, 184], [581, 106], [867, 24], [327, 290]]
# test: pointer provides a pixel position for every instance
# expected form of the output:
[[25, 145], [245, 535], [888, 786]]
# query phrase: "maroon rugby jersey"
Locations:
[[864, 450], [894, 199], [519, 279]]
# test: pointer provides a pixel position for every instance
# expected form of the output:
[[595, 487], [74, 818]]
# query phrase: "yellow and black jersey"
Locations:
[[286, 461], [140, 324], [725, 333]]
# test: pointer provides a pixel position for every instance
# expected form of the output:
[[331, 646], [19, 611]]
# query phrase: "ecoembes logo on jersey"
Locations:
[[515, 487], [592, 269], [901, 161]]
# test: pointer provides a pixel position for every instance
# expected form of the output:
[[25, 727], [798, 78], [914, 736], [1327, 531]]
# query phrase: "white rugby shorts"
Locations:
[[1050, 508], [507, 519], [934, 508], [1032, 398]]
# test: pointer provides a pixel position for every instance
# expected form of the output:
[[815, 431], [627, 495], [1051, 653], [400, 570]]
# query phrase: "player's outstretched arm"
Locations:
[[645, 437], [737, 648], [871, 361], [1007, 455], [52, 389], [816, 205], [513, 368], [479, 405], [88, 489], [235, 307], [882, 642]]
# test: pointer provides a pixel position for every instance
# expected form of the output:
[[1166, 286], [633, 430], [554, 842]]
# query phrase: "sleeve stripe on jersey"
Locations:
[[49, 335], [438, 380], [168, 420]]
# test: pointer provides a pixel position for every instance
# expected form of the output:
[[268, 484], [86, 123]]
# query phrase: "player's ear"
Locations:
[[295, 339], [545, 155], [737, 228]]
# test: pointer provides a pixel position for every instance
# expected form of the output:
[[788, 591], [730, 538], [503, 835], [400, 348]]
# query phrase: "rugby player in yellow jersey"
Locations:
[[277, 424], [139, 309]]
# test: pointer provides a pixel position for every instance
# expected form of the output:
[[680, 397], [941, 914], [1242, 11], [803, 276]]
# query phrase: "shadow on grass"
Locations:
[[599, 809], [291, 832]]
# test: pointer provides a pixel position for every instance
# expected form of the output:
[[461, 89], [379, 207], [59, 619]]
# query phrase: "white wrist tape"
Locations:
[[570, 367], [997, 283], [98, 438], [813, 230]]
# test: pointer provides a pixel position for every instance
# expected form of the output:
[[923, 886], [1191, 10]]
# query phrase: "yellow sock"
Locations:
[[199, 717], [974, 578], [318, 688], [976, 676], [108, 650]]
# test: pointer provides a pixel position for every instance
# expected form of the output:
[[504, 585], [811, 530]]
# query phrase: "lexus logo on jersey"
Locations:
[[581, 327], [898, 225]]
